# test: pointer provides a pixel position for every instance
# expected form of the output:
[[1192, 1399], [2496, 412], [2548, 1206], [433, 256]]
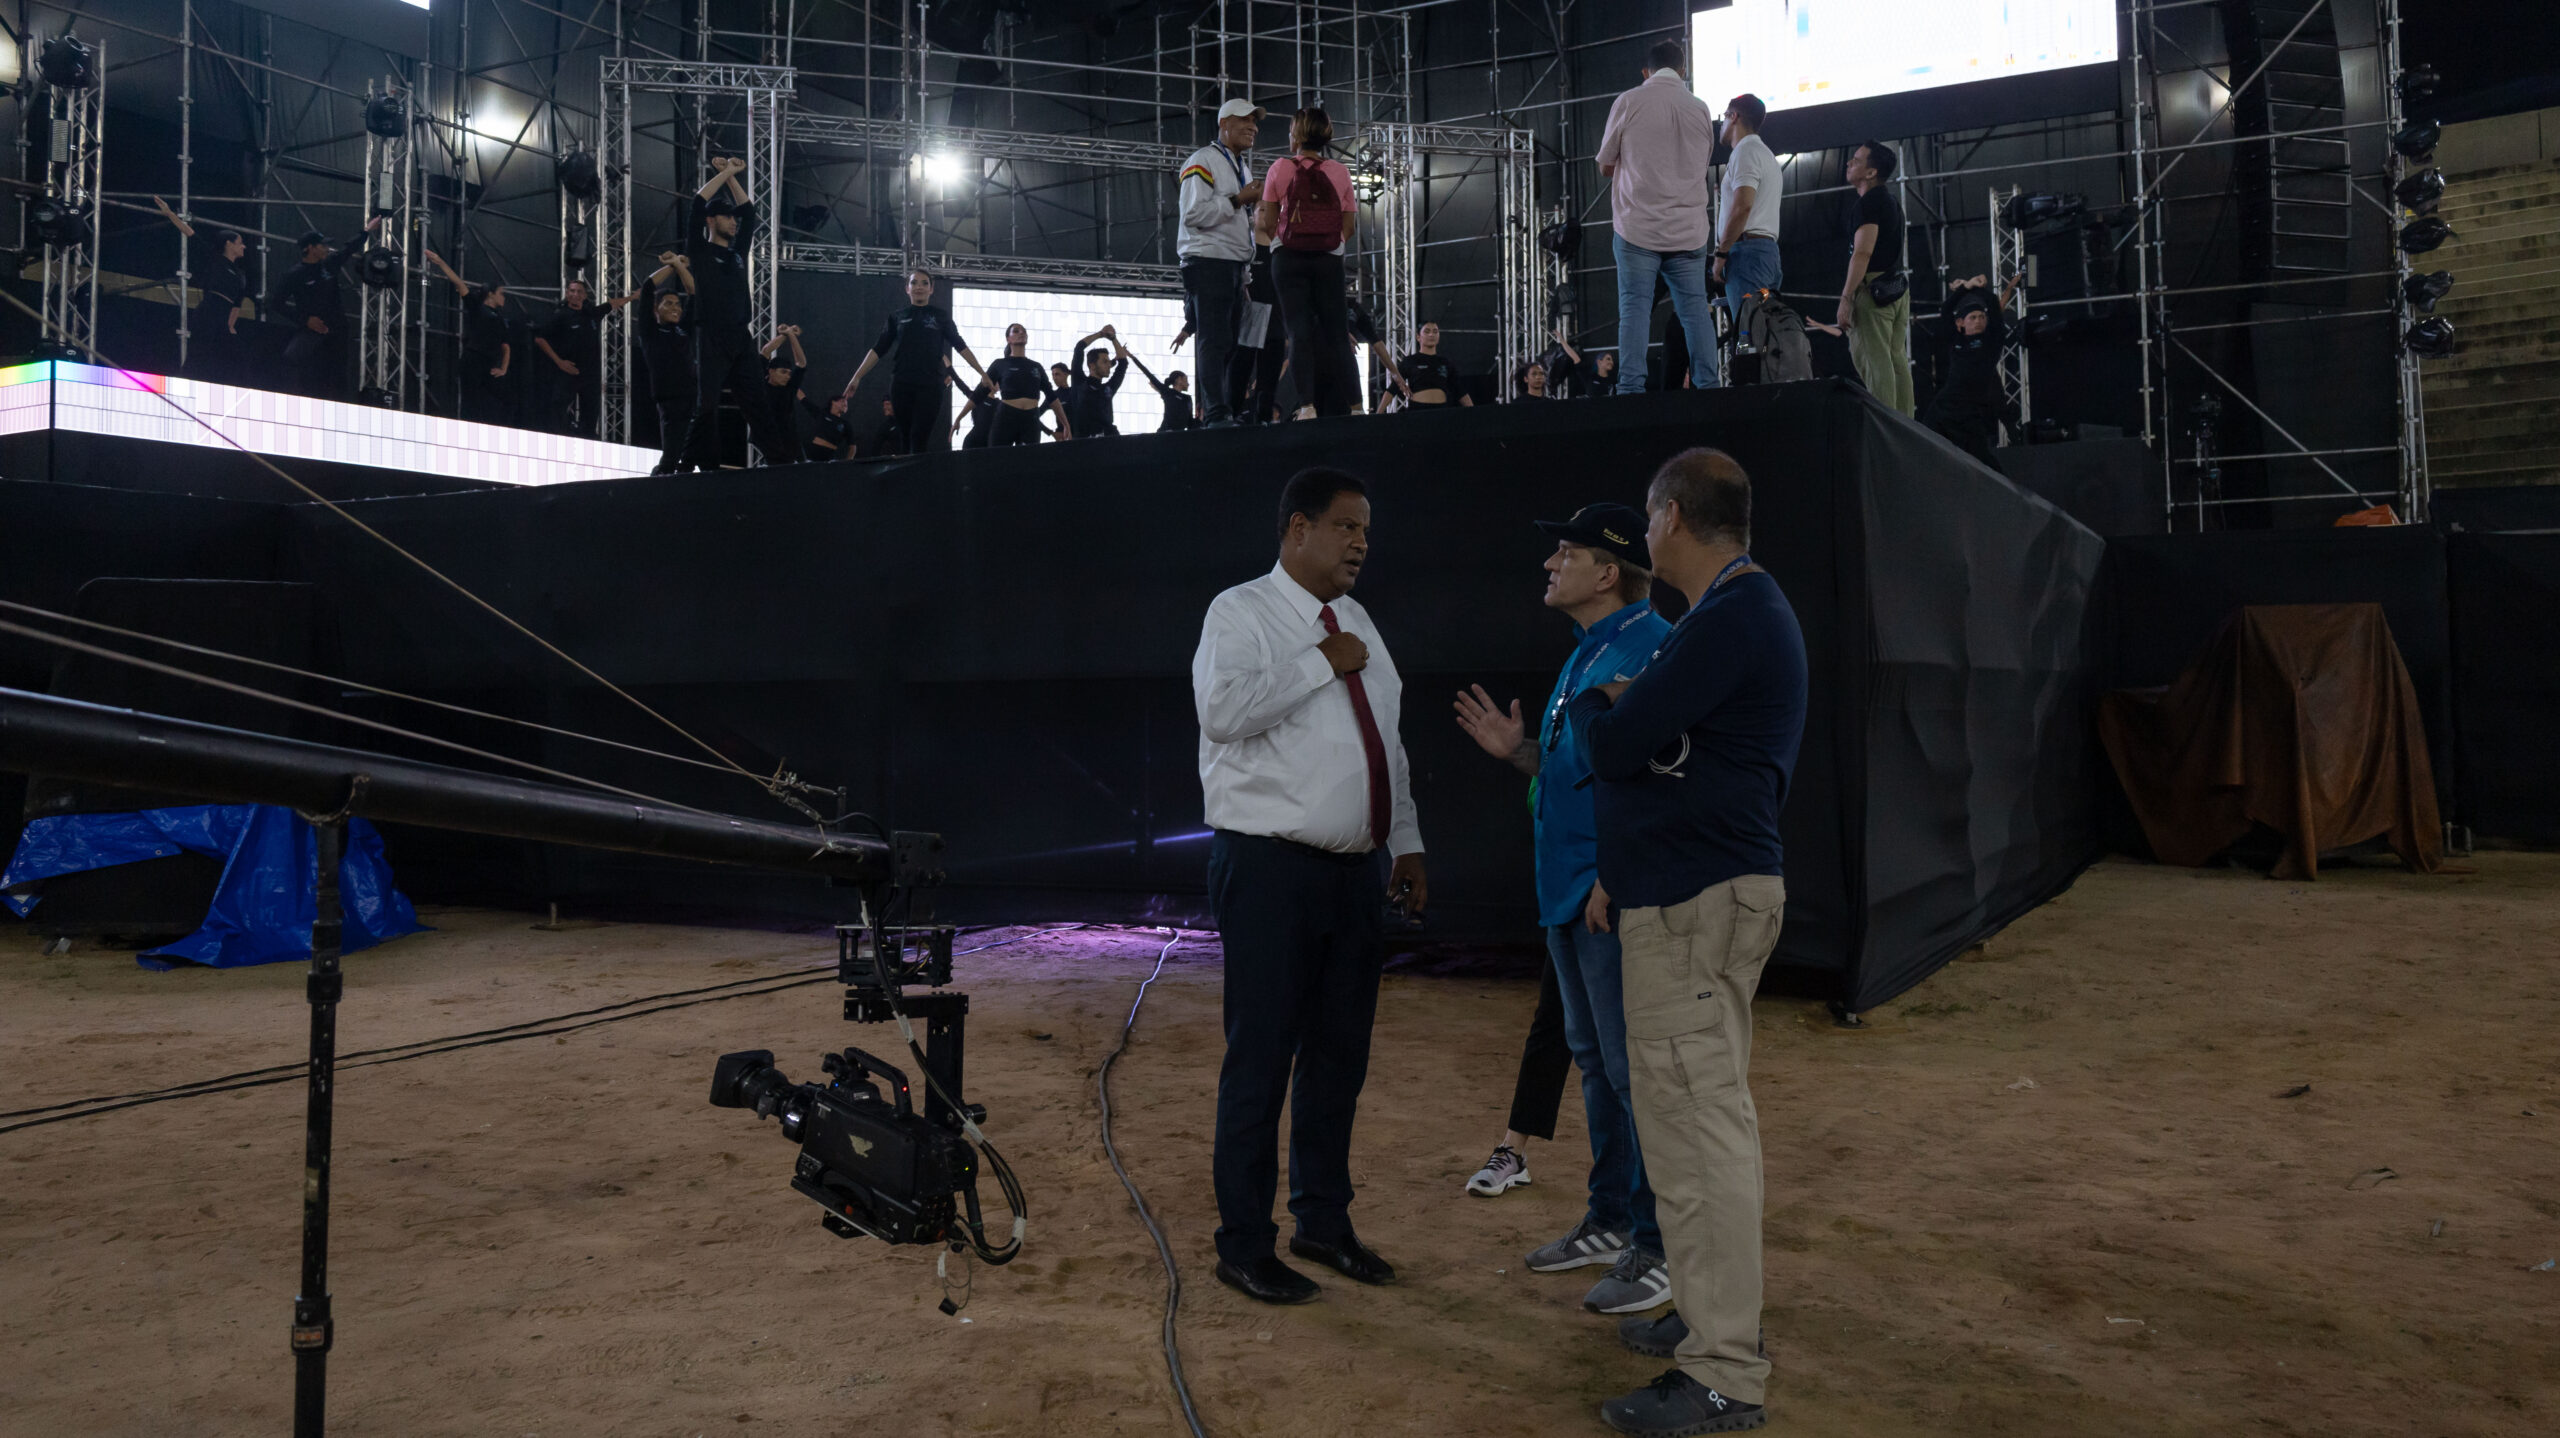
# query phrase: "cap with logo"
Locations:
[[1614, 529]]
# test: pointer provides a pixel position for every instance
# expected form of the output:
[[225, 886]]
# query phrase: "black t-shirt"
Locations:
[[221, 284], [1879, 208], [312, 292], [575, 335], [923, 337], [1089, 399], [1021, 377], [721, 303], [668, 350], [831, 434], [484, 330], [1972, 385], [1178, 413], [1423, 372], [782, 401]]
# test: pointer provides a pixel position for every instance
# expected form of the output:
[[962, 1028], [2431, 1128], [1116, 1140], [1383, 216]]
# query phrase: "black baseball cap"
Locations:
[[1971, 300], [1610, 528], [313, 237], [719, 205]]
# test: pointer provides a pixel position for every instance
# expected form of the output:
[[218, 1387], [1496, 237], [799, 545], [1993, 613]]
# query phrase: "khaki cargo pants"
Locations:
[[1689, 971], [1880, 347]]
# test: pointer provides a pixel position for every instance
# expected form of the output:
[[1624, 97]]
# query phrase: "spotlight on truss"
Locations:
[[2023, 212], [2422, 291], [2420, 193], [2417, 84], [2424, 234], [944, 170], [386, 115], [2417, 140], [2430, 338], [58, 224], [67, 63], [578, 176]]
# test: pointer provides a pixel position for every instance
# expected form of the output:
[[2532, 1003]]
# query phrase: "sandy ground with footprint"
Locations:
[[2055, 1189]]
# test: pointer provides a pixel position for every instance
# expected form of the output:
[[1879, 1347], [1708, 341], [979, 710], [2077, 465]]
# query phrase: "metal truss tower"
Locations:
[[385, 368], [766, 91], [74, 149]]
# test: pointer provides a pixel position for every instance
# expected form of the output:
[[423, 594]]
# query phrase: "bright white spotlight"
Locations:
[[945, 170]]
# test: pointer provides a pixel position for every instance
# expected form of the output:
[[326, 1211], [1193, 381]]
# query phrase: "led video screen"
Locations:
[[1835, 67]]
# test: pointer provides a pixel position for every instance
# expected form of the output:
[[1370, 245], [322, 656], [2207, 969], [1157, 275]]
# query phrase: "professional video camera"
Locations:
[[876, 1162]]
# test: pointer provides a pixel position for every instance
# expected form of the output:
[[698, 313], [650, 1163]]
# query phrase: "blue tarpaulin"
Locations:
[[263, 907]]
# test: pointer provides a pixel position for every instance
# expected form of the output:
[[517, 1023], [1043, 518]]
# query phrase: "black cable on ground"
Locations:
[[478, 1038], [1164, 1250]]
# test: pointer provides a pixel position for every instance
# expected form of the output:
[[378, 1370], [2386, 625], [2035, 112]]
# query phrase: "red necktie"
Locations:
[[1381, 805]]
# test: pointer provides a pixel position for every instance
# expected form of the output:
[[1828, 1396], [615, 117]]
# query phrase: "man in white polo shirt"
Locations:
[[1655, 151], [1747, 249], [1216, 243]]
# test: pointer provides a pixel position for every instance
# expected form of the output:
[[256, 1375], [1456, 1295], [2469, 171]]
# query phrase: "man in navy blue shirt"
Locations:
[[1692, 759], [1598, 577]]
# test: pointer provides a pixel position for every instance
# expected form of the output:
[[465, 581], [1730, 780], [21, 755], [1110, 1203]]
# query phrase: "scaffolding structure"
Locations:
[[2008, 265], [764, 92], [74, 139], [389, 353]]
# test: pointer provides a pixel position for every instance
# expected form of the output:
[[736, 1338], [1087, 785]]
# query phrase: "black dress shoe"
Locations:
[[1268, 1280], [1347, 1256]]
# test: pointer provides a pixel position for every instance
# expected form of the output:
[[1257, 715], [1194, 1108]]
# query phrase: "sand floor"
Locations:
[[2054, 1190]]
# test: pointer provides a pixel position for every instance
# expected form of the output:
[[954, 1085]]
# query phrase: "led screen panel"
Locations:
[[1834, 72]]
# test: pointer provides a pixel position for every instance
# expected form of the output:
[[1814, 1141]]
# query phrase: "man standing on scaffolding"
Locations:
[[1216, 243]]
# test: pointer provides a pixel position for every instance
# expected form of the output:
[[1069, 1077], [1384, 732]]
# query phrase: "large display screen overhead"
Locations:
[[1902, 67]]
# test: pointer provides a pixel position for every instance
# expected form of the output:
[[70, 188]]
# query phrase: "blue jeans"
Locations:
[[1595, 1028], [1686, 273], [1751, 265]]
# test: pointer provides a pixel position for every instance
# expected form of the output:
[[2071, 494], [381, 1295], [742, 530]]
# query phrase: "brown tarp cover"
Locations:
[[2300, 717]]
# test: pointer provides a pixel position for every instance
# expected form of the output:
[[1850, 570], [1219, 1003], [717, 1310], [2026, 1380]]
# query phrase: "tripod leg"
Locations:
[[312, 1329]]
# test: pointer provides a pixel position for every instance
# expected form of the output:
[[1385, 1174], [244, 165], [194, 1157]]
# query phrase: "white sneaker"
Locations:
[[1506, 1169]]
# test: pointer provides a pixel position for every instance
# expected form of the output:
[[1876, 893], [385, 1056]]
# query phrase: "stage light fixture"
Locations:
[[2417, 84], [2417, 140], [945, 170], [2045, 328], [1563, 239], [379, 268], [2025, 211], [2422, 291], [2424, 234], [2420, 193], [57, 224], [386, 116], [578, 176], [580, 249], [67, 64], [2430, 338]]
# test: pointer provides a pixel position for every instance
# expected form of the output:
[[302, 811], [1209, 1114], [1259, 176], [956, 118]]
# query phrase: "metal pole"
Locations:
[[186, 162], [313, 1330]]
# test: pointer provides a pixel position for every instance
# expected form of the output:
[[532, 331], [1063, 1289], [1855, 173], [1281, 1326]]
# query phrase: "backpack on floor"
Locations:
[[1313, 220], [1769, 344]]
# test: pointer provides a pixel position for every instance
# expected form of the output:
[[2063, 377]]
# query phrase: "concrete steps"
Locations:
[[2493, 408]]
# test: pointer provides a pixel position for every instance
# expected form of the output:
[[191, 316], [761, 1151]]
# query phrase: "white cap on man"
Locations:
[[1240, 108]]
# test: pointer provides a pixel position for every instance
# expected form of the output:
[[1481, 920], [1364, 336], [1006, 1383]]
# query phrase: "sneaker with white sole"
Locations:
[[1505, 1170], [1588, 1244], [1638, 1282]]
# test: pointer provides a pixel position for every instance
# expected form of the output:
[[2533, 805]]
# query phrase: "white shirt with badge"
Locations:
[[1280, 748]]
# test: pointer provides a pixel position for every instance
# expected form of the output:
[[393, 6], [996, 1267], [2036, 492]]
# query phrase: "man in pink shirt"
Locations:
[[1655, 151]]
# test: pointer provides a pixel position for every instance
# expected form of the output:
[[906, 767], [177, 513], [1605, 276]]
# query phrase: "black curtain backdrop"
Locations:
[[2506, 664], [997, 646]]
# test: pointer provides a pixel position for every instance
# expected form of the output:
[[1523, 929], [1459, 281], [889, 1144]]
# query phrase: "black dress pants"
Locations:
[[1303, 936], [1215, 292], [732, 364], [486, 396], [675, 433], [575, 401], [1318, 315], [214, 354]]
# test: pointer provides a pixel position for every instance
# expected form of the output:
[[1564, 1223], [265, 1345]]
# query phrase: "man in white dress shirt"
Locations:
[[1305, 782]]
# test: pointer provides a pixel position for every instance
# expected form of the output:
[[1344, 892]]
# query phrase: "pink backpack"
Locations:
[[1313, 220]]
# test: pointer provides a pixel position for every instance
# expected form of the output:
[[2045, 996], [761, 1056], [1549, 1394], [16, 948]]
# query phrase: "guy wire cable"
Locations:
[[66, 642], [477, 1038], [364, 688], [1164, 1250], [47, 326]]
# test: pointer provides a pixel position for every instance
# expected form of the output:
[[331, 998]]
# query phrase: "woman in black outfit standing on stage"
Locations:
[[1023, 389], [214, 348]]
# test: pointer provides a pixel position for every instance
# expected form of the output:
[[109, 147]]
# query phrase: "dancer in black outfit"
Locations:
[[487, 351], [782, 395], [1970, 404], [1093, 382], [725, 358], [1023, 389], [666, 345], [214, 348], [571, 343], [311, 300], [922, 339], [833, 437], [1431, 380]]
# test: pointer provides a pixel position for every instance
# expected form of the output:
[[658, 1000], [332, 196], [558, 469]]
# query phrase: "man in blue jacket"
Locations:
[[1692, 758], [1599, 578]]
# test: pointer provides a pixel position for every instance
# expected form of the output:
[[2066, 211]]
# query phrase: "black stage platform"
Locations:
[[997, 646]]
